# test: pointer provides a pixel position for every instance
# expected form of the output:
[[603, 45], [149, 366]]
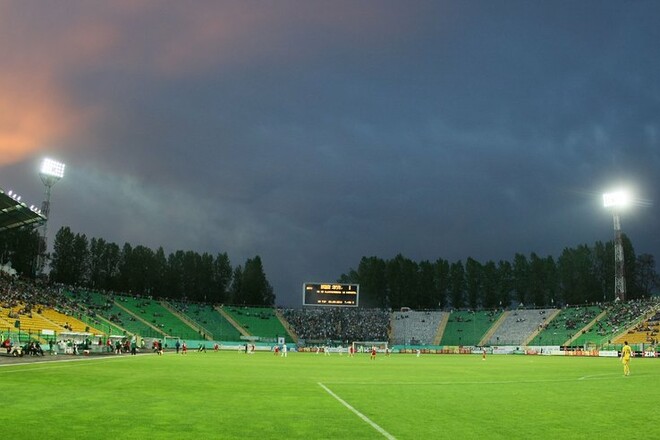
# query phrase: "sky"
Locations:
[[313, 133]]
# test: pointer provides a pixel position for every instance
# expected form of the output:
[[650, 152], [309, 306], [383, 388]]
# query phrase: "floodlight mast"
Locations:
[[51, 172], [615, 201]]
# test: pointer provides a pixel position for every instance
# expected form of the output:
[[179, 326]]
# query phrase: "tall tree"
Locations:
[[142, 275], [489, 284], [237, 294], [441, 281], [552, 281], [537, 280], [20, 248], [111, 261], [577, 276], [96, 273], [158, 273], [80, 263], [521, 278], [401, 275], [473, 282], [62, 270], [174, 275], [222, 276], [256, 290], [190, 275], [603, 268], [505, 283], [647, 277], [457, 285], [205, 277], [427, 286], [633, 291], [373, 282], [125, 278]]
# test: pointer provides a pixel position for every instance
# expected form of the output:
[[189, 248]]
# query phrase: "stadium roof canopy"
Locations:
[[14, 213]]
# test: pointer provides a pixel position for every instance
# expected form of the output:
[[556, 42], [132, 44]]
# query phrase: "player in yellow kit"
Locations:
[[626, 353]]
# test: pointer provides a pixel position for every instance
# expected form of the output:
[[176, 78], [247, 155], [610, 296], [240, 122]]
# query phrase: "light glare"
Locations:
[[618, 199], [50, 167]]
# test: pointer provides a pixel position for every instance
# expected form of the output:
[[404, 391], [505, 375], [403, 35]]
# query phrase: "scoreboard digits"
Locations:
[[330, 294]]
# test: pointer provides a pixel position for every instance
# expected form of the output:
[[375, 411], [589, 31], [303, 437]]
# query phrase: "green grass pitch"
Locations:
[[230, 395]]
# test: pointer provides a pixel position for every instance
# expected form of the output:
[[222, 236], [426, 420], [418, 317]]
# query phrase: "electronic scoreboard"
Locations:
[[330, 294]]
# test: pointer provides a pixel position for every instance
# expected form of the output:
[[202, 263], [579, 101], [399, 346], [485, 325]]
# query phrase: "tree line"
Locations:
[[100, 265], [584, 274]]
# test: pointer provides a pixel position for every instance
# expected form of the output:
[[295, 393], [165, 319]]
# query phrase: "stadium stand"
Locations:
[[414, 327], [441, 329], [36, 308], [93, 307], [518, 326], [468, 327], [68, 322], [323, 324], [66, 311], [203, 332], [29, 322], [154, 314], [206, 317], [615, 322], [565, 325], [646, 332], [127, 320], [5, 325], [259, 321]]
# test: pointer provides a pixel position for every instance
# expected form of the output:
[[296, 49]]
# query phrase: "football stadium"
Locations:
[[84, 364], [81, 363], [330, 220]]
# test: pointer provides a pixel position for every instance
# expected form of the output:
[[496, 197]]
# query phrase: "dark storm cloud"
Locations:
[[314, 134]]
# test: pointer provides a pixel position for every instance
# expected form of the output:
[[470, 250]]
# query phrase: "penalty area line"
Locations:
[[358, 413]]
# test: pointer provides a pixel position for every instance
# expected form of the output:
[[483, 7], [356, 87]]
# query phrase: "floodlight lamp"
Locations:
[[617, 199], [52, 168]]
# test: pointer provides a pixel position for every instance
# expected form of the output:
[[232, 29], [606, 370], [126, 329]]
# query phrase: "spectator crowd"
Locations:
[[339, 324]]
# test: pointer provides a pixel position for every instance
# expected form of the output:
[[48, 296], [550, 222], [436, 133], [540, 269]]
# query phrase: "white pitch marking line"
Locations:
[[487, 382], [358, 413], [51, 364]]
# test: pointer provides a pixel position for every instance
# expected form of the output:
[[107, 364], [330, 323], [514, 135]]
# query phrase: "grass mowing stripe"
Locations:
[[359, 414]]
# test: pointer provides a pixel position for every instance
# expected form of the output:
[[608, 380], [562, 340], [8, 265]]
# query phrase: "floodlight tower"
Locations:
[[616, 201], [51, 172]]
